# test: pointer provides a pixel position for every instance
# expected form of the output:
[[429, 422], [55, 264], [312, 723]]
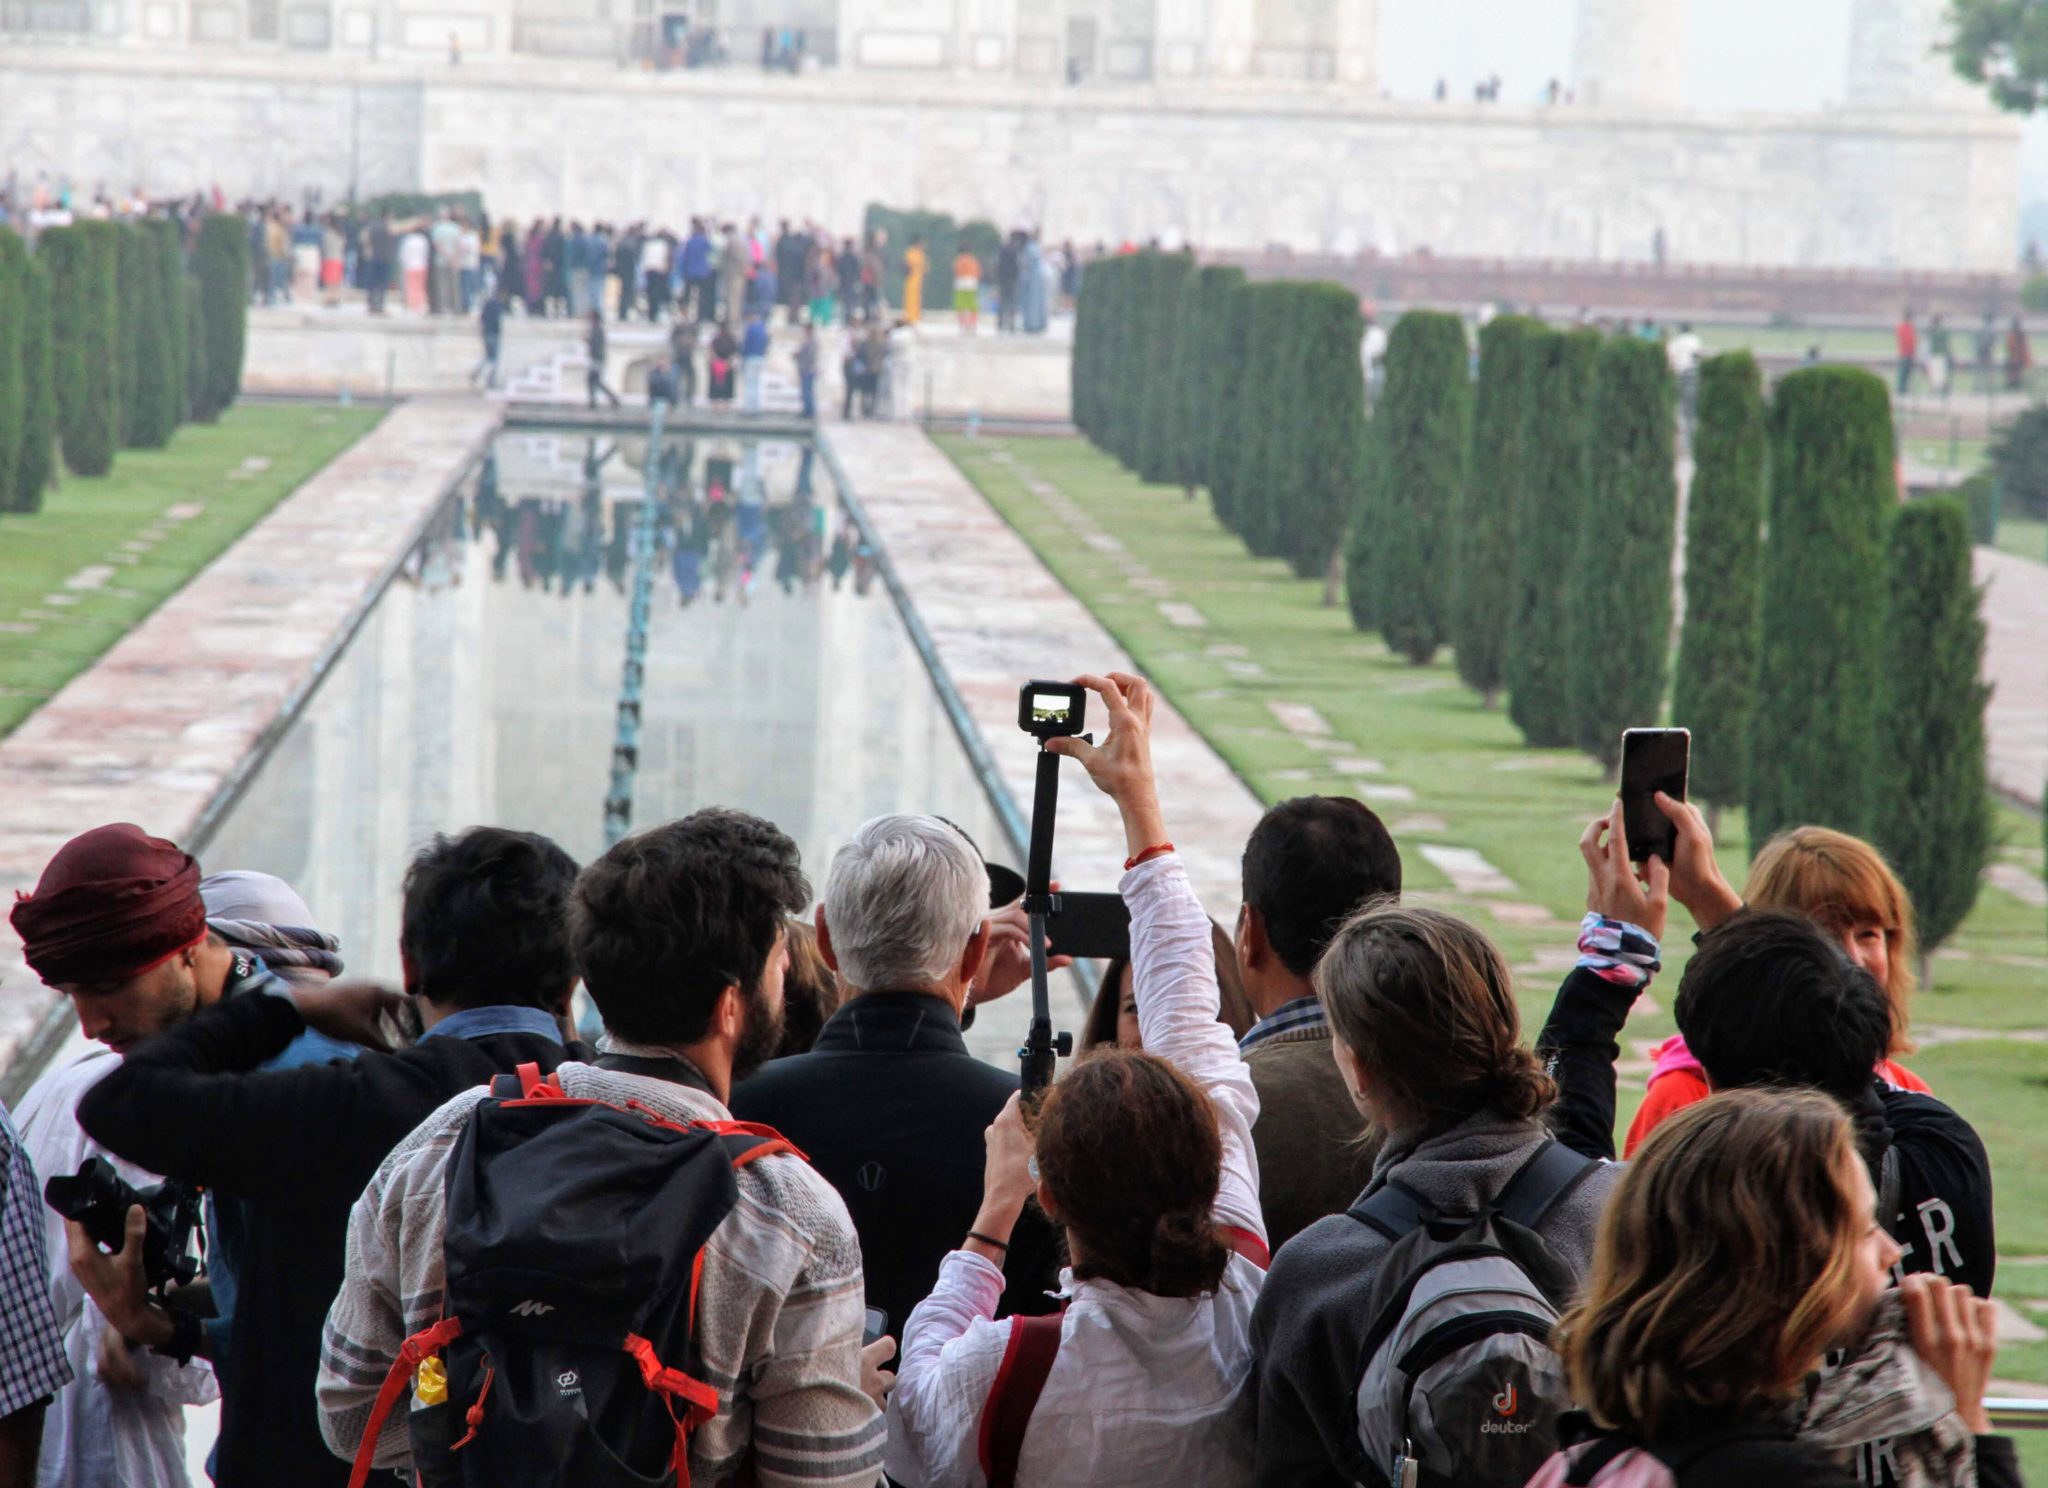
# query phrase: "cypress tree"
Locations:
[[14, 291], [1271, 388], [141, 365], [37, 458], [1936, 825], [220, 262], [1715, 685], [86, 316], [1814, 732], [160, 390], [1236, 418], [1483, 546], [1618, 631], [1426, 416], [1546, 536], [1361, 531], [1123, 372], [1198, 372], [195, 347], [1165, 311], [1328, 425], [1081, 360]]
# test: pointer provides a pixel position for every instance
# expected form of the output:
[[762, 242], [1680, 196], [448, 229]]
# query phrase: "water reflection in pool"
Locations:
[[483, 686]]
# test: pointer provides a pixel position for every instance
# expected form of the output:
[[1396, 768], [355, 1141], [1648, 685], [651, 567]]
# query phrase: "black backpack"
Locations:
[[1457, 1383], [566, 1350]]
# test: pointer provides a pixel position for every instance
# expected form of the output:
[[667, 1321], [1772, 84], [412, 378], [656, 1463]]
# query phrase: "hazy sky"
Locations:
[[1760, 54], [1742, 54]]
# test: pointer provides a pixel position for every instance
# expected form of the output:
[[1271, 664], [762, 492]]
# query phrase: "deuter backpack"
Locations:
[[566, 1350], [1458, 1384]]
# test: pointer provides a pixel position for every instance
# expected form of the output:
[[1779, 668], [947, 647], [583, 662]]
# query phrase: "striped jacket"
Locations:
[[779, 1323]]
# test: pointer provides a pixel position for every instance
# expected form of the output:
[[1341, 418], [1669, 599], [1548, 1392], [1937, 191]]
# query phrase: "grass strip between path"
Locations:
[[1448, 774], [103, 553]]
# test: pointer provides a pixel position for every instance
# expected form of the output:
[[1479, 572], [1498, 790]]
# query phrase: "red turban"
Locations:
[[113, 902]]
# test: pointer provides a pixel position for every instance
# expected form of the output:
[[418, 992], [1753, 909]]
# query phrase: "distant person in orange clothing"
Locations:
[[914, 265], [1843, 885], [967, 290]]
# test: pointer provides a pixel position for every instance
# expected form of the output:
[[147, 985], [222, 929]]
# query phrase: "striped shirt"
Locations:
[[779, 1320], [1303, 1012], [32, 1362]]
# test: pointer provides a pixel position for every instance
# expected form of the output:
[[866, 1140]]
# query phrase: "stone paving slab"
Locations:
[[158, 727], [998, 618], [2016, 622]]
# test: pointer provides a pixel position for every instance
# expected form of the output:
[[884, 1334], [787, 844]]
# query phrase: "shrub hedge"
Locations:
[[1425, 410], [1483, 546], [220, 262], [37, 459], [14, 291]]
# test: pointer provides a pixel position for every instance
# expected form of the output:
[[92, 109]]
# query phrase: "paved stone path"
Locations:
[[2016, 665], [158, 728], [998, 618]]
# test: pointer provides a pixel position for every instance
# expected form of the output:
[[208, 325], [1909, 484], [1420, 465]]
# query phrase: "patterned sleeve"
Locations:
[[32, 1362]]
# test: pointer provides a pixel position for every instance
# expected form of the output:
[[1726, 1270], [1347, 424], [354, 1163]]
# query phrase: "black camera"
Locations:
[[1052, 710], [99, 1198]]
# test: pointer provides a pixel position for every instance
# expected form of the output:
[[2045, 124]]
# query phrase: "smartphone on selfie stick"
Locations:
[[1652, 760], [1045, 710]]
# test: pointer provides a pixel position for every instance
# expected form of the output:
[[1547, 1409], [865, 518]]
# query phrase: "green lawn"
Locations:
[[1474, 784], [155, 521], [2024, 537]]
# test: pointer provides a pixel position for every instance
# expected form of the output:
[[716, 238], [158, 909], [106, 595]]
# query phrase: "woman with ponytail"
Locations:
[[1145, 1161], [1425, 1032]]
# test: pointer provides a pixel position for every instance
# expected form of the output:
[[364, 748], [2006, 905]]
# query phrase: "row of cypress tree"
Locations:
[[1201, 378], [109, 340], [1527, 519]]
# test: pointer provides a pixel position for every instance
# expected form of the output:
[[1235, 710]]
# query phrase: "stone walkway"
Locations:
[[160, 727], [999, 618], [2016, 665]]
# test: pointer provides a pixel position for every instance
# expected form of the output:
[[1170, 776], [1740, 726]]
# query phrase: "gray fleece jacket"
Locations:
[[1310, 1323]]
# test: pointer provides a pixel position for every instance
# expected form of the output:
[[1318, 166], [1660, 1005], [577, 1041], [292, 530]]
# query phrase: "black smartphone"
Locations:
[[876, 1326], [1091, 927], [1652, 760]]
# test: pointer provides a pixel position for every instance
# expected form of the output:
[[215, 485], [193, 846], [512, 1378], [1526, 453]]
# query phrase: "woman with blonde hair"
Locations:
[[1739, 1250], [1841, 883]]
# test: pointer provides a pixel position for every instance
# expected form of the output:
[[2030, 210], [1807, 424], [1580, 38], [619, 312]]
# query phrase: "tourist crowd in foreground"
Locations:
[[1307, 1208]]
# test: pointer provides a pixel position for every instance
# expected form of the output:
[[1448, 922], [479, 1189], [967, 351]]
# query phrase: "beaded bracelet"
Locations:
[[1155, 850]]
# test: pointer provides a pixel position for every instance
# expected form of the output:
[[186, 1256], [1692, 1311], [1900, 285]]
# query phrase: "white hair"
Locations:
[[901, 902]]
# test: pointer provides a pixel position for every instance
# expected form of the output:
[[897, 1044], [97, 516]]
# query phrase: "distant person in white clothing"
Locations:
[[1146, 1161]]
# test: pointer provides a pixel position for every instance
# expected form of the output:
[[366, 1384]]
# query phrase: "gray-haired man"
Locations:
[[889, 1105]]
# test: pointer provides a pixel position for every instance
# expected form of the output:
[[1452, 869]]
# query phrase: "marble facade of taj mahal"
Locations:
[[1233, 124]]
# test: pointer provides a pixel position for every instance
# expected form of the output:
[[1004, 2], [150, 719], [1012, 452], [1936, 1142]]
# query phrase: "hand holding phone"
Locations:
[[1652, 760]]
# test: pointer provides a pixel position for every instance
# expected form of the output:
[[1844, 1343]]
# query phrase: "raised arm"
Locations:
[[1173, 958], [1617, 957]]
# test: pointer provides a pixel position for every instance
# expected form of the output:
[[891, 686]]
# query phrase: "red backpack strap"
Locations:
[[1027, 1360], [699, 1400], [410, 1353], [1246, 1244]]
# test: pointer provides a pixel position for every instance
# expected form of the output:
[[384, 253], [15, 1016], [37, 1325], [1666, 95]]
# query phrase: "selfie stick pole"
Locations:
[[1041, 1049]]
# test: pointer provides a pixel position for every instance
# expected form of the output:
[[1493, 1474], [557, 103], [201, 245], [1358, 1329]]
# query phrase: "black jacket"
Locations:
[[890, 1107], [298, 1146], [1761, 1459], [1943, 1219]]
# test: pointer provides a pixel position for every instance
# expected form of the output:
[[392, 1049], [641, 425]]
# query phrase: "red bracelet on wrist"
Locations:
[[1155, 850]]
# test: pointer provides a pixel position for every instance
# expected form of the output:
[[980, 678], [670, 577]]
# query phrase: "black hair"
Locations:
[[1768, 999], [486, 920], [669, 918], [1309, 863]]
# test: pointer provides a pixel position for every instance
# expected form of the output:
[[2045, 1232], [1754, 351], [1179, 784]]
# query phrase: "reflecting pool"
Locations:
[[484, 685]]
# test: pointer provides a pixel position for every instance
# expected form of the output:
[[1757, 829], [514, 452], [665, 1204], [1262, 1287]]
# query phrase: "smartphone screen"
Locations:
[[876, 1326], [1652, 760], [1091, 927]]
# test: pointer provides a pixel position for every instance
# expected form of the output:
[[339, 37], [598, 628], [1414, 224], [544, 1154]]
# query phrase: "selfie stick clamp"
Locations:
[[1042, 1048]]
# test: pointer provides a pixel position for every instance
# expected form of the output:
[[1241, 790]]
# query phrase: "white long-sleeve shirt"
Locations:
[[97, 1434], [1144, 1389]]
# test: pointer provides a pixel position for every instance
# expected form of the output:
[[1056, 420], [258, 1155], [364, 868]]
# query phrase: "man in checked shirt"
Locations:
[[32, 1363]]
